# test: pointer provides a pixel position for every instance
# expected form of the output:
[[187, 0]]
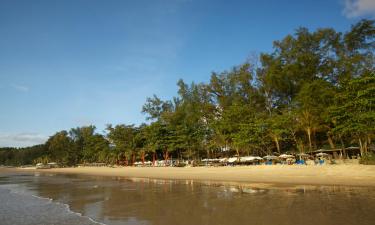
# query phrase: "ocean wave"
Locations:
[[19, 191]]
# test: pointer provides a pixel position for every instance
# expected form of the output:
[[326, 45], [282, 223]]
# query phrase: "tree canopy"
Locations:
[[313, 90]]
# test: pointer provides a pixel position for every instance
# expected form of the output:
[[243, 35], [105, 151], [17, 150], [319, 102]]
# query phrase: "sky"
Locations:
[[73, 63]]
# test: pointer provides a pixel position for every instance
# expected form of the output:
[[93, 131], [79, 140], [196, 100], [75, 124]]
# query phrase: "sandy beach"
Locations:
[[348, 175]]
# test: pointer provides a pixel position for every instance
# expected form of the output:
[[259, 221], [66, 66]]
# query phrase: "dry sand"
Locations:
[[348, 175]]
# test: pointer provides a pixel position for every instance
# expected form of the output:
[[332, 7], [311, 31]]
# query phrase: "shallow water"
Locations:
[[167, 202]]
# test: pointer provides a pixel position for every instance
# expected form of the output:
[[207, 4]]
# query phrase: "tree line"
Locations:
[[316, 89]]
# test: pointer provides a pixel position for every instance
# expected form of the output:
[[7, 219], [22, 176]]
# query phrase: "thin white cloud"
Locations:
[[21, 139], [356, 8], [20, 88]]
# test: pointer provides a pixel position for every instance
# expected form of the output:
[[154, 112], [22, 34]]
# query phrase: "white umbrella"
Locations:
[[223, 159], [232, 159], [247, 159], [270, 157], [285, 156]]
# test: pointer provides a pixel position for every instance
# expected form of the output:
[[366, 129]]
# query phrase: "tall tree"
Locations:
[[122, 137], [58, 147], [354, 111]]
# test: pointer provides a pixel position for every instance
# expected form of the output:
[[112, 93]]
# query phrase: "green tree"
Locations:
[[354, 111], [58, 147], [312, 103], [122, 137]]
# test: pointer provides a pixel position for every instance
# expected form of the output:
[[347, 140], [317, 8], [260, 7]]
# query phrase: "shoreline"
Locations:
[[330, 175]]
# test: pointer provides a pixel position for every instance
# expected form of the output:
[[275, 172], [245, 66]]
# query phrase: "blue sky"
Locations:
[[70, 63]]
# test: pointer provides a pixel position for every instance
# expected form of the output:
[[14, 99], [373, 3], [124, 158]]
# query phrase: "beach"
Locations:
[[345, 175], [325, 195]]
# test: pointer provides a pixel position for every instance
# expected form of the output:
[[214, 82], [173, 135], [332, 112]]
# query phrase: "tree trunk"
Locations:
[[277, 144], [238, 155], [133, 159], [313, 138], [330, 141], [154, 159], [365, 146], [308, 130], [295, 140], [166, 155], [360, 146], [301, 146], [143, 158], [343, 147], [369, 140]]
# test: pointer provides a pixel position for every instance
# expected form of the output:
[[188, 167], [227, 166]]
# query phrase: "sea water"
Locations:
[[43, 198]]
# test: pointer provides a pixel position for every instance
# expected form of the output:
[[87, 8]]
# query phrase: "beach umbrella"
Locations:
[[250, 158], [247, 159], [270, 157], [285, 156], [244, 159], [223, 159], [232, 159], [303, 155]]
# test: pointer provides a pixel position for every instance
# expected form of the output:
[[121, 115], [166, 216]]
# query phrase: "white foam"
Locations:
[[19, 191]]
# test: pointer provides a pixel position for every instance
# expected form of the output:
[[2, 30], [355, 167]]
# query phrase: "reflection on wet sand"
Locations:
[[163, 202]]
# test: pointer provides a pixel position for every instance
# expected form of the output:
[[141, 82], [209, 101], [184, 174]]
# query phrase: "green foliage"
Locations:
[[368, 159], [354, 111], [58, 146], [315, 88], [21, 156], [123, 139]]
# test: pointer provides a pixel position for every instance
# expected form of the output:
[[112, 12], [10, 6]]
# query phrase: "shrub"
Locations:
[[368, 159]]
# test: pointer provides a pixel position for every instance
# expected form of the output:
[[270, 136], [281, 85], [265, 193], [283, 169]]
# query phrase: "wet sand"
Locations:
[[346, 175], [45, 198]]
